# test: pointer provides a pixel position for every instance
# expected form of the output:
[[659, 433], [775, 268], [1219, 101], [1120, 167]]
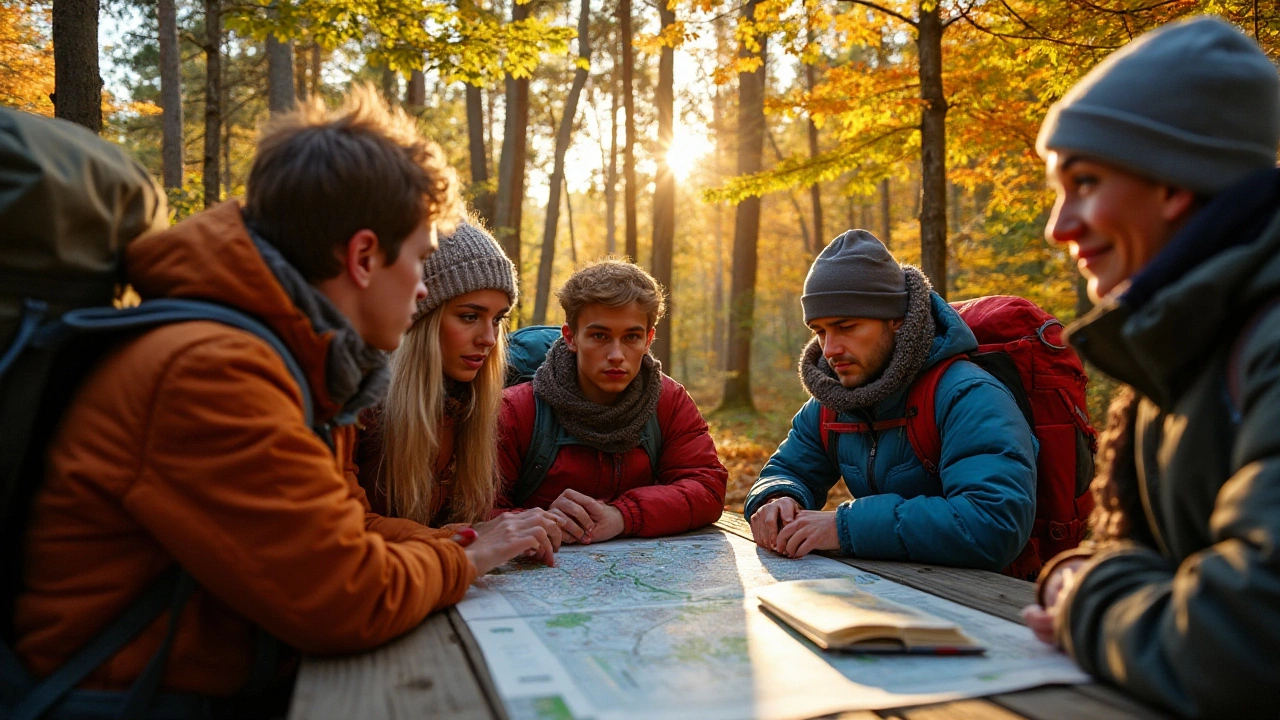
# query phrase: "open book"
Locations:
[[837, 615]]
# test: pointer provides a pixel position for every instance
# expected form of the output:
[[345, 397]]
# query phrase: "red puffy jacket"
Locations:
[[686, 492]]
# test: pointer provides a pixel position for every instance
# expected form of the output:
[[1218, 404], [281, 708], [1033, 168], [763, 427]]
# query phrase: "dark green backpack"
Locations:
[[526, 349], [69, 204]]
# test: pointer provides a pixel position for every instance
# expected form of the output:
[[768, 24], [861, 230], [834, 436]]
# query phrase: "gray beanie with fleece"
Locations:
[[1194, 104], [467, 260], [855, 276]]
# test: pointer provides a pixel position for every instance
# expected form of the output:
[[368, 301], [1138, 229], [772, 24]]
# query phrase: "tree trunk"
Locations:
[[664, 191], [489, 114], [563, 135], [415, 92], [933, 151], [77, 85], [629, 150], [390, 85], [508, 205], [212, 101], [719, 330], [886, 213], [316, 66], [746, 231], [815, 191], [806, 242], [170, 94], [573, 238], [279, 75], [300, 73], [611, 177], [954, 205], [483, 203], [227, 119]]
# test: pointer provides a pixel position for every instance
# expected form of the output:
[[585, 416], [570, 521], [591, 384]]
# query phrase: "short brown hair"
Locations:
[[611, 282], [320, 176]]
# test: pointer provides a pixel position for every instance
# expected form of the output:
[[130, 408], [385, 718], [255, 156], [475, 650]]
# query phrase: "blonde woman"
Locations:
[[429, 452]]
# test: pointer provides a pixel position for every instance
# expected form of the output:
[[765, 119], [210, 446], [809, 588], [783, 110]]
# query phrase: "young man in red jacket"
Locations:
[[628, 453]]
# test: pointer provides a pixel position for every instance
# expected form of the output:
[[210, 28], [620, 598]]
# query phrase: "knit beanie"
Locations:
[[467, 260], [855, 276], [1194, 104]]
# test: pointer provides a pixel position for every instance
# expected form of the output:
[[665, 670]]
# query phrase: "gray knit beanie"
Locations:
[[1194, 104], [467, 260], [855, 276]]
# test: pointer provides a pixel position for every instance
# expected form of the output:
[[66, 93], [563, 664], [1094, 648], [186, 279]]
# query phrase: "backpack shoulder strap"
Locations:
[[826, 419], [169, 592], [166, 311], [651, 441], [922, 416], [173, 588], [543, 448]]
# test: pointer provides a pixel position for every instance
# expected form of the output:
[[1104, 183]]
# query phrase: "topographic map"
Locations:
[[670, 628]]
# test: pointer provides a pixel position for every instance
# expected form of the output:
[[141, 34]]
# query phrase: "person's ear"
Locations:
[[1178, 204], [363, 255], [566, 332], [653, 331], [895, 324]]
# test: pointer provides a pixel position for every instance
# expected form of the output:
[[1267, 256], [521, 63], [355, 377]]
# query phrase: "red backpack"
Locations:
[[1022, 346]]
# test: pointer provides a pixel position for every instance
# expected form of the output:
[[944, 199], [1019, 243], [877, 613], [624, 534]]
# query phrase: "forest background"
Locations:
[[718, 143]]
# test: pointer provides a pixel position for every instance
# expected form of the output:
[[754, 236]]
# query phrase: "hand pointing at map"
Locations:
[[512, 535]]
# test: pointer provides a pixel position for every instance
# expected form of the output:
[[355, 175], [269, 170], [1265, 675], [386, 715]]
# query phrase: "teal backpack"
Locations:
[[526, 349]]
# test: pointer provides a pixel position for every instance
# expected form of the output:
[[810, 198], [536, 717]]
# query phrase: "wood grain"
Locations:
[[425, 673], [1064, 703], [976, 709]]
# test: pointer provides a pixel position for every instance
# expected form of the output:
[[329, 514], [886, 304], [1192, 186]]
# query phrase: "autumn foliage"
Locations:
[[26, 58]]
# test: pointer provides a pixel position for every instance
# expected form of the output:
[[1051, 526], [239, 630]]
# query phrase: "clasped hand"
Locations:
[[585, 519], [782, 526]]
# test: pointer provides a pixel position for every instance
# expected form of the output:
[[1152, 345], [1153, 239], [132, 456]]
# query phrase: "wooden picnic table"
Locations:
[[437, 670]]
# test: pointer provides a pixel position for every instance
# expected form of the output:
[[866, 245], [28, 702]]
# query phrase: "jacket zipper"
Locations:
[[874, 435]]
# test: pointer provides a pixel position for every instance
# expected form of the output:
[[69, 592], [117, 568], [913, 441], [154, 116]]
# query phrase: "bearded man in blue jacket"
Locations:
[[877, 325]]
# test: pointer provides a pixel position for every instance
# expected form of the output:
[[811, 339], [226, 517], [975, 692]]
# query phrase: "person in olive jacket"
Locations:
[[1163, 158]]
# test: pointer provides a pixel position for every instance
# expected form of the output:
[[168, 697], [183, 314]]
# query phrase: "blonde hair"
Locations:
[[411, 419], [611, 282], [321, 175]]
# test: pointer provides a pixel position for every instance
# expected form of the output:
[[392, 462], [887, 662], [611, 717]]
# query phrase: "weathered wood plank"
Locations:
[[425, 673], [989, 592], [976, 709], [1067, 703], [1131, 706], [476, 656]]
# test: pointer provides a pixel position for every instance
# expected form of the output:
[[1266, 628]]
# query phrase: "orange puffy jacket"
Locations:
[[188, 445]]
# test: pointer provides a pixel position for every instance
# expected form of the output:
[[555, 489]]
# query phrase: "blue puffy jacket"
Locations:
[[977, 513]]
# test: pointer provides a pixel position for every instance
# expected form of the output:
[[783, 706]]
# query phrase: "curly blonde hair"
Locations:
[[322, 175]]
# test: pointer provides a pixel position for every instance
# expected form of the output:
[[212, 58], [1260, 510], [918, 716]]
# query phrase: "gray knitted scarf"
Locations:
[[609, 428], [355, 372], [911, 345]]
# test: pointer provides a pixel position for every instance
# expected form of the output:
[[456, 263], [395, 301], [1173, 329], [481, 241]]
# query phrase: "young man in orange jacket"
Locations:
[[187, 445]]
